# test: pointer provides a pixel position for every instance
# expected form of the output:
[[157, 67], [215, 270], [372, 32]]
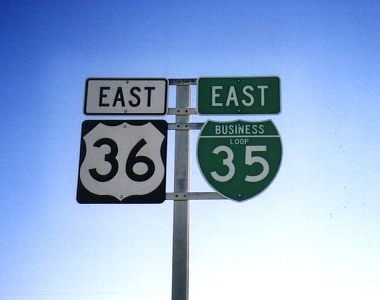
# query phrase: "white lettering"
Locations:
[[239, 141], [261, 129], [215, 95], [239, 129], [262, 88], [217, 129], [250, 96], [232, 97]]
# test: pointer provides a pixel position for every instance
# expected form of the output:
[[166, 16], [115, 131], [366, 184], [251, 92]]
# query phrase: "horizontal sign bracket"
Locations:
[[184, 81], [194, 196], [185, 126], [182, 111]]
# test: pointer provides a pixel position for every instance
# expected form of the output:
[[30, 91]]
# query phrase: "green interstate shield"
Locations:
[[239, 159]]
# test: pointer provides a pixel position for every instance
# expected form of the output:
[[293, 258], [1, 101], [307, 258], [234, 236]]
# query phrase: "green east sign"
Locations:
[[239, 159], [238, 95]]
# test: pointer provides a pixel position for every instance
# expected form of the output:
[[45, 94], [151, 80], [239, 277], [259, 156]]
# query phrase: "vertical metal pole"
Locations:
[[180, 271]]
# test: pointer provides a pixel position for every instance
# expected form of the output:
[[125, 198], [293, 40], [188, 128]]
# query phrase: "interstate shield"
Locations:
[[239, 159]]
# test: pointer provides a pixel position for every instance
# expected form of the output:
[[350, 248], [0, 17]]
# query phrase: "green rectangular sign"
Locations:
[[238, 95]]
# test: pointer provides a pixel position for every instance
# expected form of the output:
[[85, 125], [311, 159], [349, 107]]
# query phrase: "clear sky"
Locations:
[[313, 234]]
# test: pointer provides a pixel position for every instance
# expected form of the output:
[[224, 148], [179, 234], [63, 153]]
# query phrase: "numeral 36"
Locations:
[[133, 160]]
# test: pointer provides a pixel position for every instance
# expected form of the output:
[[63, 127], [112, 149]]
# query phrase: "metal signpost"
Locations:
[[124, 161], [180, 268]]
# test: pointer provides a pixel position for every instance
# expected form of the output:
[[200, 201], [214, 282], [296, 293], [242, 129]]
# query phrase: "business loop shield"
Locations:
[[239, 159]]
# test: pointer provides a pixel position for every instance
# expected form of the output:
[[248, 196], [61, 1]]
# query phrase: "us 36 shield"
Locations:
[[239, 159], [123, 162]]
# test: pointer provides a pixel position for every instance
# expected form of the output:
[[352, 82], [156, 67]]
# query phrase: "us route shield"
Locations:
[[122, 161], [239, 159]]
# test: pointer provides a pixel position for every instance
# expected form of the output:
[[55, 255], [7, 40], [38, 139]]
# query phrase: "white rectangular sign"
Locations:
[[126, 96]]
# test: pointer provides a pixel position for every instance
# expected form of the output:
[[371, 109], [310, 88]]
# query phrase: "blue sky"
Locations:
[[313, 234]]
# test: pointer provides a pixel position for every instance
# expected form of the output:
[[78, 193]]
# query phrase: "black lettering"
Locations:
[[119, 97], [133, 93], [110, 158], [149, 89], [134, 159], [103, 95]]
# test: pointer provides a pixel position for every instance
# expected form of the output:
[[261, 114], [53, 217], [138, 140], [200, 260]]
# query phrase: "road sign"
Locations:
[[239, 95], [122, 162], [239, 159], [126, 96]]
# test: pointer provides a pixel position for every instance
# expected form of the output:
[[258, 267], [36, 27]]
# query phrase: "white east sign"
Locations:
[[126, 96]]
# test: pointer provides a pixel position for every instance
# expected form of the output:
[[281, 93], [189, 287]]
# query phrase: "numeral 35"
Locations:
[[250, 159]]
